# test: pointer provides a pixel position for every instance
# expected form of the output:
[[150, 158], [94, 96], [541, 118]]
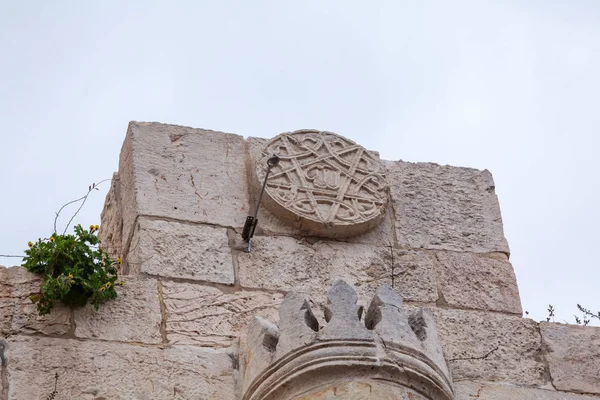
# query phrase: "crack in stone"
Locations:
[[3, 371], [163, 312], [542, 357], [392, 255], [221, 313], [483, 357]]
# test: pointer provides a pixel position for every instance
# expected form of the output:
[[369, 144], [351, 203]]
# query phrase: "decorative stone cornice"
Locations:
[[297, 357]]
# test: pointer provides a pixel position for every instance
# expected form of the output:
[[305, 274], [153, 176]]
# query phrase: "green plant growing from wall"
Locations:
[[74, 268]]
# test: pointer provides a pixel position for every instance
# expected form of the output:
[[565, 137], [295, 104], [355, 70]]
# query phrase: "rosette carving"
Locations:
[[324, 184]]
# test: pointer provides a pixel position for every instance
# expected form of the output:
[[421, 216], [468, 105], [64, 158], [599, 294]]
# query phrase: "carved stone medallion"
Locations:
[[324, 184]]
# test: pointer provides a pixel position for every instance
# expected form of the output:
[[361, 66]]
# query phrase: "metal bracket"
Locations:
[[251, 220]]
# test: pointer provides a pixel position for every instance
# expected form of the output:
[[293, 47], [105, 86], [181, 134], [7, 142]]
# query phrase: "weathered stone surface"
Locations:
[[389, 319], [414, 276], [182, 173], [89, 370], [125, 199], [111, 226], [371, 390], [573, 354], [381, 235], [18, 314], [206, 316], [257, 349], [491, 347], [3, 374], [445, 208], [134, 316], [411, 327], [479, 282], [489, 391], [341, 314], [269, 224], [179, 250], [423, 324], [293, 329], [284, 263]]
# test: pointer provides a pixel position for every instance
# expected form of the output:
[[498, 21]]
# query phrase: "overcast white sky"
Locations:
[[511, 86]]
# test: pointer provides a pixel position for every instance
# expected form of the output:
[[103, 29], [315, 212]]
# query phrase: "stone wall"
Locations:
[[174, 214]]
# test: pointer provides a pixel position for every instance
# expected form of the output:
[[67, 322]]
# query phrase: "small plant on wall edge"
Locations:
[[74, 268]]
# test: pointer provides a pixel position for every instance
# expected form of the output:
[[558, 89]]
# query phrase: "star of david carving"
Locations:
[[325, 178]]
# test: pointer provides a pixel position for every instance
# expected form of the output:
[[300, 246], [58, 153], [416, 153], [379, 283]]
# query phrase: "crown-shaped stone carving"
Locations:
[[395, 353]]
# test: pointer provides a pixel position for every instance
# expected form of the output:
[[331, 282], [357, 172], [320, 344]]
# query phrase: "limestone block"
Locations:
[[18, 314], [111, 220], [181, 250], [573, 354], [269, 224], [205, 316], [445, 208], [182, 173], [91, 370], [134, 316], [472, 281], [382, 235], [489, 391], [284, 263], [491, 347], [414, 276], [126, 200]]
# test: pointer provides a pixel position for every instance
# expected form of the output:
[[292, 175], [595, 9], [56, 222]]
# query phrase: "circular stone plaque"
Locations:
[[324, 184]]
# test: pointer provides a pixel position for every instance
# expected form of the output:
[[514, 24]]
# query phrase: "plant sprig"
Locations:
[[83, 199], [587, 317], [75, 269]]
